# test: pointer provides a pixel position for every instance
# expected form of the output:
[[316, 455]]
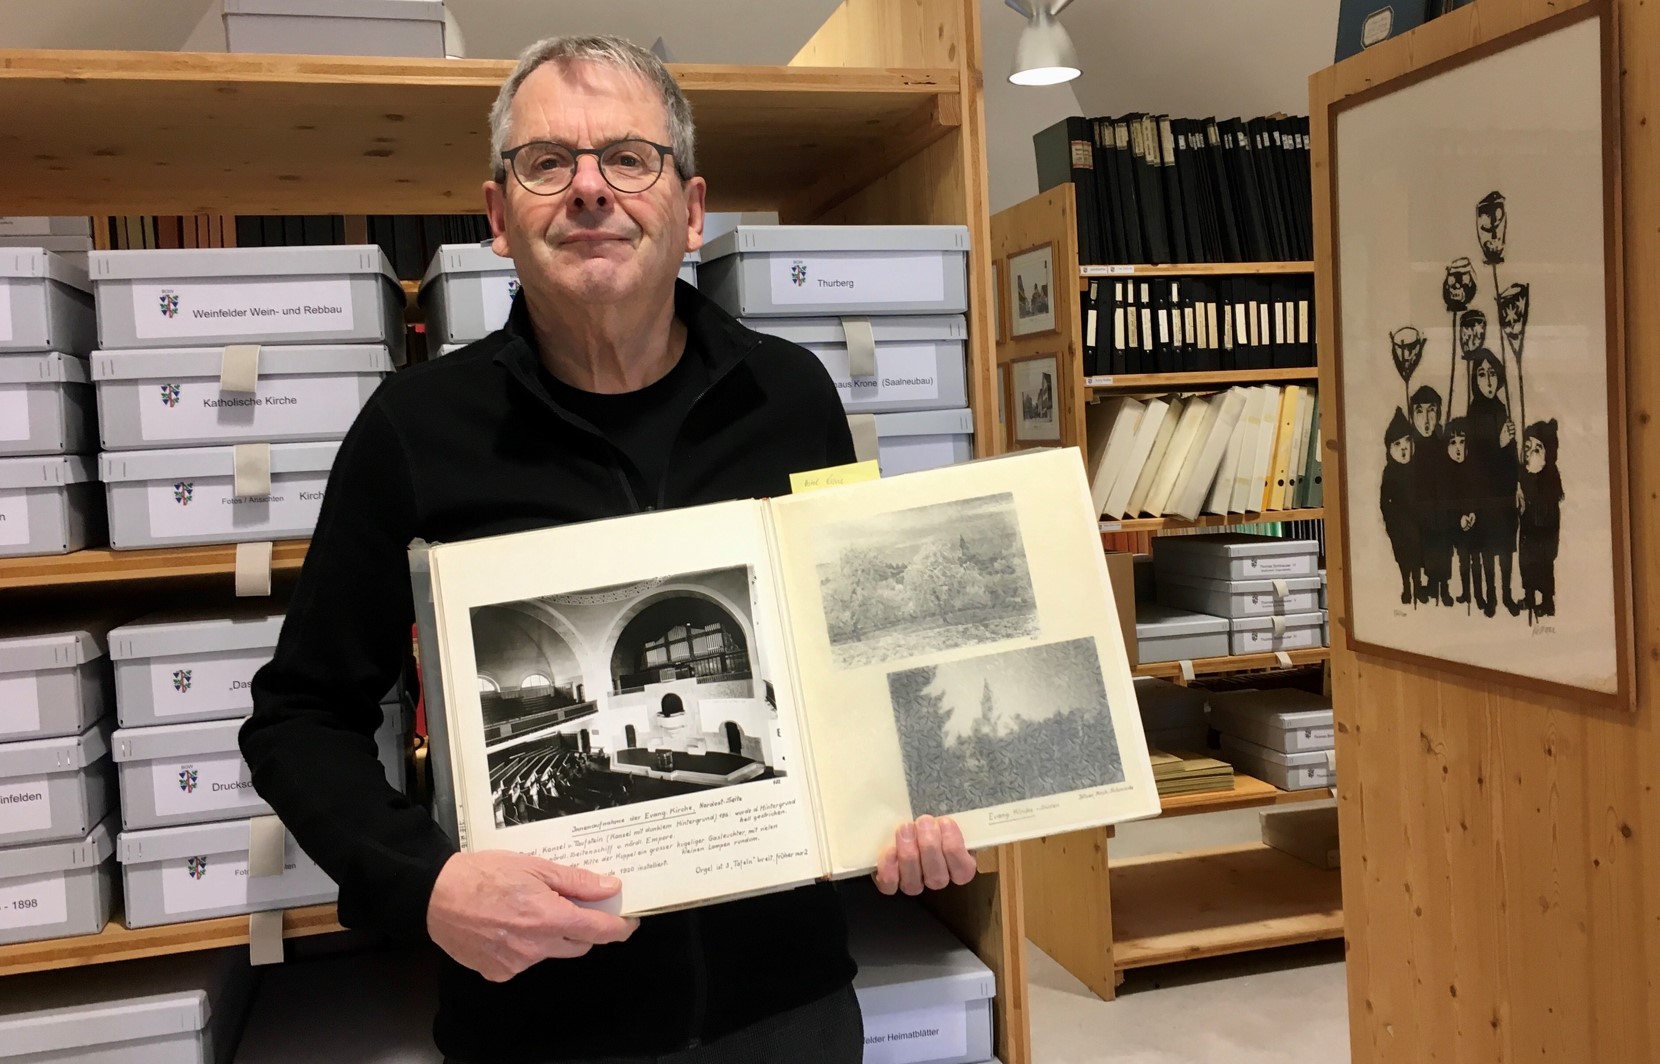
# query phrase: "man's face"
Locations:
[[1455, 447], [591, 243], [1424, 418], [1401, 450]]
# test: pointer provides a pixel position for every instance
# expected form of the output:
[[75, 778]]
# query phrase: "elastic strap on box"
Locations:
[[239, 368], [1283, 658], [863, 427], [252, 462], [266, 837], [265, 938], [861, 347], [1186, 666], [253, 569], [1278, 621], [1331, 771], [1282, 589]]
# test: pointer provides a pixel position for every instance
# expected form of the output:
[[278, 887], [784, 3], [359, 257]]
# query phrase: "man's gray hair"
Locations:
[[612, 51]]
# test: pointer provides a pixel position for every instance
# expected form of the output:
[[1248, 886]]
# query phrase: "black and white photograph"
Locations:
[[623, 694], [1036, 419], [1479, 371], [924, 580], [1005, 727], [1031, 279]]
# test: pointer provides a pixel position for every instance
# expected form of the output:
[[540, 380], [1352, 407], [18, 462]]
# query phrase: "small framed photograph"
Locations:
[[1031, 291], [1034, 398]]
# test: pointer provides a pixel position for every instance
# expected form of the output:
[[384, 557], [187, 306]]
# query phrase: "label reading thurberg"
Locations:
[[843, 277], [243, 308]]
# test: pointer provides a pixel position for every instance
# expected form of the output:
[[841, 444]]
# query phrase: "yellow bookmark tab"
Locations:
[[833, 477]]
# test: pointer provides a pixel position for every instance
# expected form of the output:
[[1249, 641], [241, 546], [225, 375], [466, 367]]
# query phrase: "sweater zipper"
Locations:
[[668, 459]]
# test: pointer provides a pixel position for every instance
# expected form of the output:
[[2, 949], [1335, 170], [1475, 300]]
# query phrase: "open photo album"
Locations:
[[748, 696]]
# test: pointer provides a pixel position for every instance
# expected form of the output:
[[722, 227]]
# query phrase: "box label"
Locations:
[[905, 373], [25, 805], [1289, 565], [258, 307], [839, 277], [5, 311], [214, 685], [206, 506], [14, 410], [939, 1032], [14, 518], [499, 291], [19, 704], [186, 410], [204, 784], [1296, 602], [220, 880], [34, 901], [1292, 639]]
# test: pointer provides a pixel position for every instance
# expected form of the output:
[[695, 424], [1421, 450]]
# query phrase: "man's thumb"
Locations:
[[578, 884]]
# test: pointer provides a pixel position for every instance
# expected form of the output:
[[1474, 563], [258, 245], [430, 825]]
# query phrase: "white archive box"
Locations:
[[187, 495], [172, 397], [925, 997], [45, 225], [1289, 772], [45, 302], [1264, 635], [54, 789], [210, 297], [1239, 598], [1235, 556], [194, 773], [811, 270], [49, 504], [1164, 633], [54, 680], [185, 1008], [177, 667], [1284, 719], [337, 27], [920, 363], [923, 439], [199, 871], [57, 889], [45, 404]]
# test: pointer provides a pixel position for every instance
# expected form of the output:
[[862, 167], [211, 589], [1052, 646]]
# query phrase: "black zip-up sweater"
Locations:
[[473, 445]]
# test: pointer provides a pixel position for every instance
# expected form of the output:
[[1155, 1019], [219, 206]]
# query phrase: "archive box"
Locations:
[[53, 789], [171, 397], [199, 871], [49, 505], [337, 27], [210, 297], [1239, 598], [1264, 635], [1308, 834], [53, 682], [1235, 556], [45, 302], [186, 495], [1164, 633], [1289, 772], [57, 889], [173, 668], [923, 439], [1283, 719], [45, 404], [812, 270], [921, 362]]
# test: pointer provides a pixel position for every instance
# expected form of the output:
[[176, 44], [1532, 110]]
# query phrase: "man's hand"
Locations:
[[928, 853], [498, 913]]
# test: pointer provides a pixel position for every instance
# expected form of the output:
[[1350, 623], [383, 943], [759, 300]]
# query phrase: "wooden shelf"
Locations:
[[116, 943], [1218, 379], [187, 133], [1158, 524], [1169, 670], [1247, 792], [1207, 903], [1191, 269], [104, 566]]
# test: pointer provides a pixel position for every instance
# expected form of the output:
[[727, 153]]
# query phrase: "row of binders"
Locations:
[[1197, 324], [1156, 189], [1244, 450]]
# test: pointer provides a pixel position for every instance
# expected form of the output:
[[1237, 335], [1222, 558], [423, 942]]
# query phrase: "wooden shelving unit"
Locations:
[[1170, 670], [1246, 792], [104, 566], [1159, 524], [116, 943], [1191, 269], [1172, 382]]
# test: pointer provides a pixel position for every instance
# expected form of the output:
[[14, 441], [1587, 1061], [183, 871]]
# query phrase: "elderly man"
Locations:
[[611, 390]]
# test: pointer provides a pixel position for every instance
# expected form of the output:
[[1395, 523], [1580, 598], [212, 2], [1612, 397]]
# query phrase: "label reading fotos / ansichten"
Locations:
[[167, 311]]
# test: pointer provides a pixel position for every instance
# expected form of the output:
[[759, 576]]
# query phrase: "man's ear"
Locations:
[[697, 191], [495, 205]]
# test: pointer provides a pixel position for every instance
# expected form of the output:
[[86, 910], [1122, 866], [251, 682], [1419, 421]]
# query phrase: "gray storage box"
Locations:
[[1307, 833], [45, 405], [57, 889], [210, 297], [1283, 719], [188, 495], [45, 302], [45, 225], [170, 397], [925, 997], [174, 668], [49, 505], [921, 363], [1264, 635], [53, 682], [199, 871], [1164, 633], [923, 439], [53, 789], [812, 270], [1235, 556], [466, 293], [180, 1009], [1288, 772], [1239, 598], [194, 773], [336, 27]]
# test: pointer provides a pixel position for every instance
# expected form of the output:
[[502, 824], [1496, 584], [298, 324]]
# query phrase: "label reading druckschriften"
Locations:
[[25, 806], [198, 686], [843, 277], [935, 1033], [34, 901], [19, 704], [203, 784], [243, 308]]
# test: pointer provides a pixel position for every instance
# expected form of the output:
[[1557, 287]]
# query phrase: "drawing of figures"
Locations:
[[1429, 481], [1397, 500], [1541, 518], [1491, 441], [1457, 509]]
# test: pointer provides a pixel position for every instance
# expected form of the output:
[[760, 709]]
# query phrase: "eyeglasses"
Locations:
[[547, 169]]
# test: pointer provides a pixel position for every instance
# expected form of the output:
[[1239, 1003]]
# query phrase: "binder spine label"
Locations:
[[1083, 155]]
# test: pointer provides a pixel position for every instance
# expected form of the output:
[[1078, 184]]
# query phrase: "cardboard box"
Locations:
[[1121, 569]]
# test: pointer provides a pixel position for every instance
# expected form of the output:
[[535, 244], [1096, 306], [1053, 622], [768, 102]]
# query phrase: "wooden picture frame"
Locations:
[[1469, 491], [1035, 406], [1031, 287], [999, 315]]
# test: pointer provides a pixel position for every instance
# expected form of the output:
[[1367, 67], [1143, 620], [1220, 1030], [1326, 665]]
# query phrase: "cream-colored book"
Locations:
[[1255, 484], [1099, 419], [747, 696], [1135, 459], [1194, 485], [1155, 458], [1221, 489], [1126, 414], [1195, 416]]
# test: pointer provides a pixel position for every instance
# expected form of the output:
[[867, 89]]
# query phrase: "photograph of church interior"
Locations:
[[621, 695]]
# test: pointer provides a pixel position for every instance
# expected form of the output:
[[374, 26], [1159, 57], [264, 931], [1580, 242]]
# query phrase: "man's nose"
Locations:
[[588, 187]]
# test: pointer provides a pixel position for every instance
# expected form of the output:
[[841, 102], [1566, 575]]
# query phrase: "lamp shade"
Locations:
[[1044, 54]]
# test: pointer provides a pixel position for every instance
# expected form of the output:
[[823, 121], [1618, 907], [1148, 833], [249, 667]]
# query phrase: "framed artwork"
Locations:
[[1034, 400], [1031, 291], [1480, 363]]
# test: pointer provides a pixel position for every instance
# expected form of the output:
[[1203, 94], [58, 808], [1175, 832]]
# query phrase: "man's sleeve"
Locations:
[[310, 741]]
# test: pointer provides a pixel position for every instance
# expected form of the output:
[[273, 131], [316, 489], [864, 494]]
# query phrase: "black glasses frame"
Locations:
[[664, 151]]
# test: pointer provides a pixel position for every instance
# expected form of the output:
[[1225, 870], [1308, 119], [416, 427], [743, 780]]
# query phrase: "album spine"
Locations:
[[446, 809]]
